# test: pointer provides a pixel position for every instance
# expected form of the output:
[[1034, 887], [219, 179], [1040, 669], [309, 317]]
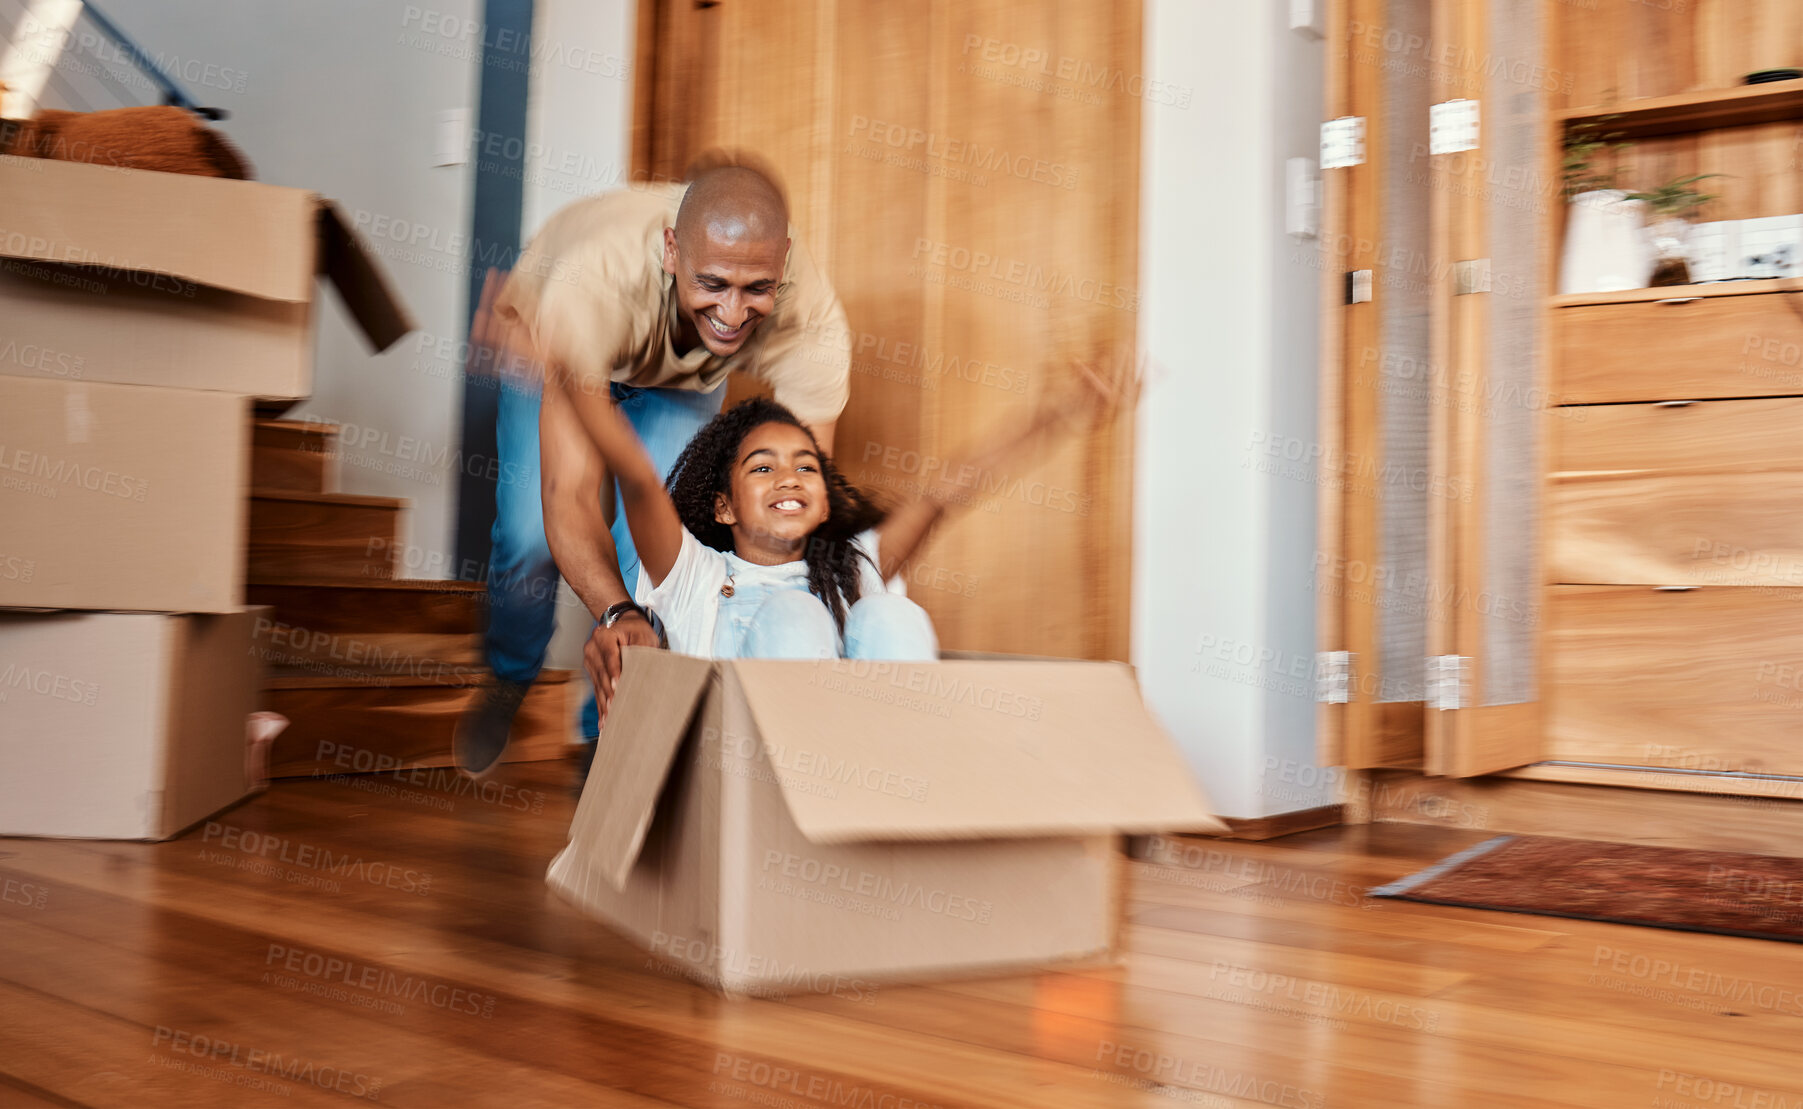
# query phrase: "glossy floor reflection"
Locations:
[[394, 942]]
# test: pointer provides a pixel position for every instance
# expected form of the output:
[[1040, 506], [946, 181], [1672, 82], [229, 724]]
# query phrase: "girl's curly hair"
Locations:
[[705, 470]]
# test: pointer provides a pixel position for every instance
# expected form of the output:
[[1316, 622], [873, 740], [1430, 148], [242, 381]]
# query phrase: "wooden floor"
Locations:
[[441, 973]]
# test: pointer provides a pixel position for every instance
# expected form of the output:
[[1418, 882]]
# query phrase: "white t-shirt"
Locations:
[[688, 600]]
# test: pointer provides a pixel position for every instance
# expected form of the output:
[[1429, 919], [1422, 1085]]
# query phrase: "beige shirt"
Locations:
[[592, 292]]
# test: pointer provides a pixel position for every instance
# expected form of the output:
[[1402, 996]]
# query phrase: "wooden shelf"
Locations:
[[1681, 292], [1695, 111]]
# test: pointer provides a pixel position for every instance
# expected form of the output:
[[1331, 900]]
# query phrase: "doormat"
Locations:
[[1721, 892]]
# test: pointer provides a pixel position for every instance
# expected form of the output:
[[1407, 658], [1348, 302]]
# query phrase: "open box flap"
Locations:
[[870, 751], [653, 705], [371, 300], [242, 236]]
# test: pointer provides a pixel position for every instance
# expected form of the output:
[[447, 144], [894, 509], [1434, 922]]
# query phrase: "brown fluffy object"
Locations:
[[166, 139]]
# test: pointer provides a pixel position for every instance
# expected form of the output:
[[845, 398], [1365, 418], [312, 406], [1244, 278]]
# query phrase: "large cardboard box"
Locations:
[[123, 726], [767, 826], [145, 278], [122, 497]]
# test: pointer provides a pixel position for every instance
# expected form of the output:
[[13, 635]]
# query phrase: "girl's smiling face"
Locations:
[[778, 494]]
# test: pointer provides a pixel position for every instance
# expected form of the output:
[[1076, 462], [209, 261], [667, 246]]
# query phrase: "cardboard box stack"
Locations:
[[140, 315], [772, 827]]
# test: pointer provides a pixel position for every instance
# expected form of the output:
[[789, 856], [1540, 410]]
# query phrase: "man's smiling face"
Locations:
[[726, 283]]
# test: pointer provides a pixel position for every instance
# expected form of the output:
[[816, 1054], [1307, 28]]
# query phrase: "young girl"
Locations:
[[760, 548]]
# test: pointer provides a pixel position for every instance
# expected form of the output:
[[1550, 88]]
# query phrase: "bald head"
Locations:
[[726, 257], [731, 205]]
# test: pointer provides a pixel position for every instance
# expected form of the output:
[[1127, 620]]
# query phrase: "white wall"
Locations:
[[344, 97], [1223, 552], [579, 125], [579, 121]]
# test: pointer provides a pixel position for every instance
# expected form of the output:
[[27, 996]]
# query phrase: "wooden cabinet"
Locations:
[[1703, 680], [1677, 493], [1611, 571], [1739, 339]]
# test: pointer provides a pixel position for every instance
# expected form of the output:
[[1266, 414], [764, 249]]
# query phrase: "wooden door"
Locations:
[[1378, 375], [1431, 388], [1492, 255], [968, 175]]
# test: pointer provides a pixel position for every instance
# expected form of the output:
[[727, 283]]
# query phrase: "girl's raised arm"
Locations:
[[1091, 397]]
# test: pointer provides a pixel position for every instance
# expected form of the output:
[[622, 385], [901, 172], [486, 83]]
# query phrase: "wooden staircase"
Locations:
[[372, 671]]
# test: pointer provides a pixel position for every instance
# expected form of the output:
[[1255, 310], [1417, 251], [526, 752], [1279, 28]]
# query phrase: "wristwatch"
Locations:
[[617, 610]]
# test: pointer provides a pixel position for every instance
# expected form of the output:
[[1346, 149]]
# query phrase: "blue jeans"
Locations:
[[795, 624], [522, 578]]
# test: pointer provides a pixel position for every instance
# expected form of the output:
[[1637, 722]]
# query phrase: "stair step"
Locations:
[[347, 721], [414, 605], [296, 455], [295, 435], [322, 535], [280, 643]]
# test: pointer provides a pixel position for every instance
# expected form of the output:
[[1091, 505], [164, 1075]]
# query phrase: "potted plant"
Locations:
[[1604, 248], [1584, 143], [1674, 206]]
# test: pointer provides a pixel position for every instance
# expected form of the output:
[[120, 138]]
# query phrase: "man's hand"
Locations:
[[601, 656]]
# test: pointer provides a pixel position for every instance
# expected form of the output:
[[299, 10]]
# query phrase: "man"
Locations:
[[645, 298]]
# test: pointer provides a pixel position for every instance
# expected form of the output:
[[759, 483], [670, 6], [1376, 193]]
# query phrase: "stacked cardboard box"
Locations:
[[140, 315]]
